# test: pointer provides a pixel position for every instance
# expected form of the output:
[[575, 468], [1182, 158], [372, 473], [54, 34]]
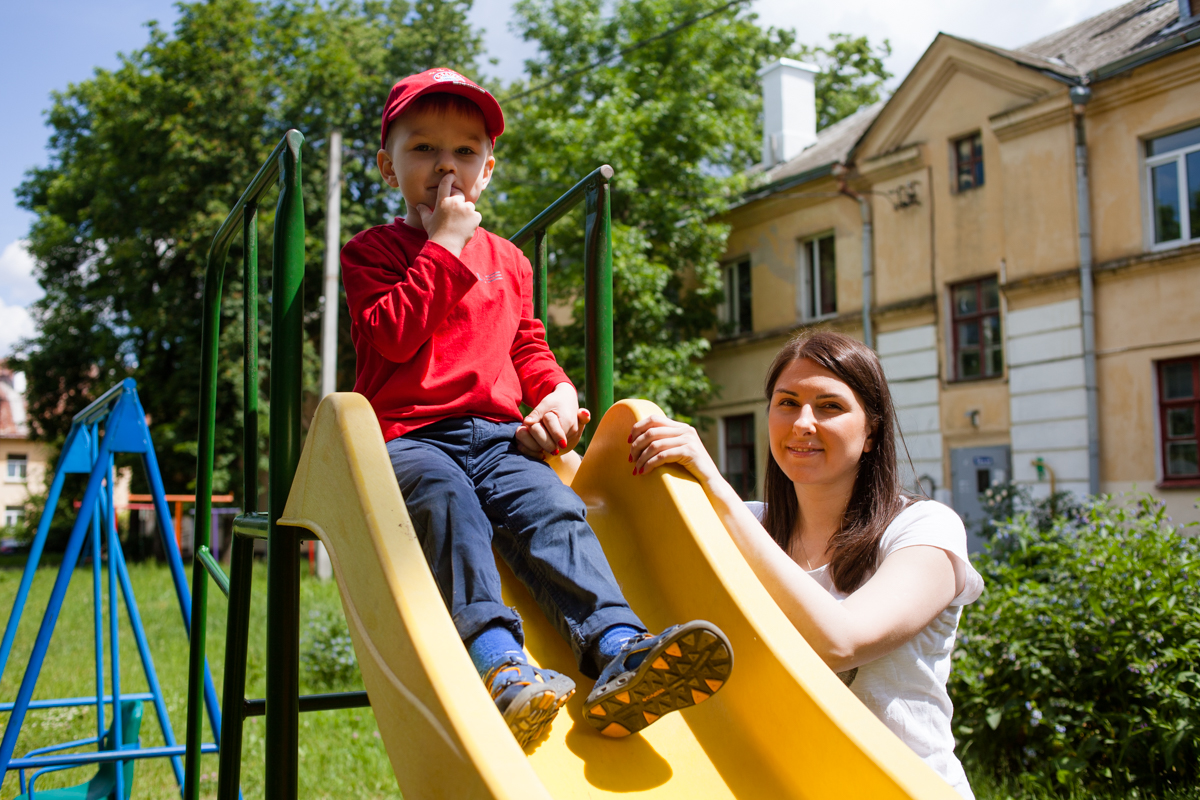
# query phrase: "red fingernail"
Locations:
[[630, 457], [630, 439], [562, 442], [555, 452], [635, 470]]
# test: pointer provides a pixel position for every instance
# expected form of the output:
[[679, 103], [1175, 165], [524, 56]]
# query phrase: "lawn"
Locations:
[[341, 754]]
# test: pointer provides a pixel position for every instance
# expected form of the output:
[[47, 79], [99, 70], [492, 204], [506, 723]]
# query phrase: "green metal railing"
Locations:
[[597, 281], [283, 571], [283, 703]]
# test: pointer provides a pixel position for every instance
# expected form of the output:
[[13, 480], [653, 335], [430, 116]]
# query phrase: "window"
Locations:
[[819, 277], [975, 319], [1179, 406], [17, 463], [739, 455], [737, 297], [968, 162], [13, 515], [1173, 177]]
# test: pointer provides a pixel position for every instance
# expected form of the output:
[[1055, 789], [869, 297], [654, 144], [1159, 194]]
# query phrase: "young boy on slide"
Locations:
[[442, 321]]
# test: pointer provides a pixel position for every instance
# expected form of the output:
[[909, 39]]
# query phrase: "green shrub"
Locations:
[[1078, 666], [328, 653]]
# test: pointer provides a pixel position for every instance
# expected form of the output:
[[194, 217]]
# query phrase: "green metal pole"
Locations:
[[540, 293], [210, 331], [241, 558], [283, 545], [598, 300], [210, 334]]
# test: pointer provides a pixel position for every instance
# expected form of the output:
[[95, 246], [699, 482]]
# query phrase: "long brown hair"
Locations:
[[876, 498]]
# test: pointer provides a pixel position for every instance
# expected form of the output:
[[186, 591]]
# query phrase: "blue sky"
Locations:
[[47, 45]]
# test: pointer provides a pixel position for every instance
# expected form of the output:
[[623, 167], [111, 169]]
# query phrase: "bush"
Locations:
[[1077, 667], [327, 652]]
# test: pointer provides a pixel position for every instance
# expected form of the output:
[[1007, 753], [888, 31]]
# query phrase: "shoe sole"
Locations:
[[530, 713], [681, 671]]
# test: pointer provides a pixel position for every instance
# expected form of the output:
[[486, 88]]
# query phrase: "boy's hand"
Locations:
[[555, 426], [453, 221]]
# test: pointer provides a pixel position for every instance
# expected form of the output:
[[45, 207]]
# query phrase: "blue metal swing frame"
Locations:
[[114, 423]]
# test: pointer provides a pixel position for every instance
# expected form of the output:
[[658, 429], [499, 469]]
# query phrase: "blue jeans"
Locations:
[[468, 489]]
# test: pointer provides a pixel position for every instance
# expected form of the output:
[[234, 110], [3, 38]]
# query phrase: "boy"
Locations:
[[442, 321]]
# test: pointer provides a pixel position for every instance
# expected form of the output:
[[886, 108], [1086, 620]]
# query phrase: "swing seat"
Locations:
[[103, 786]]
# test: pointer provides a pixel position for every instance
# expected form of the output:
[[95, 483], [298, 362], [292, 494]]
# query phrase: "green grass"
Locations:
[[341, 754]]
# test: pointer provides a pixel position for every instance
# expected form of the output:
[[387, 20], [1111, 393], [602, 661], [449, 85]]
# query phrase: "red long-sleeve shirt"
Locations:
[[439, 336]]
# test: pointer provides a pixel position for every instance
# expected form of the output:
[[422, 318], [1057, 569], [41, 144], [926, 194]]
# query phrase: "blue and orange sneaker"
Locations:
[[528, 697], [682, 666]]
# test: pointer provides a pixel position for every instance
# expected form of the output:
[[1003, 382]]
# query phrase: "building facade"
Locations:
[[23, 461], [1022, 229]]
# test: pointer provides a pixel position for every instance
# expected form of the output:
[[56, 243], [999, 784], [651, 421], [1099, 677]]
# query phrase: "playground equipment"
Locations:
[[785, 726], [114, 423], [104, 783]]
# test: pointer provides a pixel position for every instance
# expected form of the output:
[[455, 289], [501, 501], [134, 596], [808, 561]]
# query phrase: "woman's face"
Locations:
[[817, 425]]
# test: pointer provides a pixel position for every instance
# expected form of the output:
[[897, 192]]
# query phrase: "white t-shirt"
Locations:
[[906, 688]]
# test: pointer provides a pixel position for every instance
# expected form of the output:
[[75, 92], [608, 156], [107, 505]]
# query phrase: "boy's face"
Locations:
[[424, 145]]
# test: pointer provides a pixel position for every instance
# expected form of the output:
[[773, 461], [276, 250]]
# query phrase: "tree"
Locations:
[[678, 119], [146, 161], [852, 75]]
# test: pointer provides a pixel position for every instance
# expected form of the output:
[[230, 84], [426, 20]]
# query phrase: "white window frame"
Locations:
[[808, 290], [1178, 156], [730, 306], [13, 516], [11, 460]]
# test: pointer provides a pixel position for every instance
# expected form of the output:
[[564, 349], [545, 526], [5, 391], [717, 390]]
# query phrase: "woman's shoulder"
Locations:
[[928, 522]]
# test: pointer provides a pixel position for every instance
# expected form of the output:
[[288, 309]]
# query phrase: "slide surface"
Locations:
[[784, 726]]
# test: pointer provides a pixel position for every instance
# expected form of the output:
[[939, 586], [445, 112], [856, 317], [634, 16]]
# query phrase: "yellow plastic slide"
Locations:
[[784, 726]]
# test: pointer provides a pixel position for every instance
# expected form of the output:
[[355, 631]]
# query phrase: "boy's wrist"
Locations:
[[453, 244]]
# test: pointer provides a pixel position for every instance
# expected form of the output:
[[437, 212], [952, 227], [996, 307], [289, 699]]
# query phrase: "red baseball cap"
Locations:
[[440, 79]]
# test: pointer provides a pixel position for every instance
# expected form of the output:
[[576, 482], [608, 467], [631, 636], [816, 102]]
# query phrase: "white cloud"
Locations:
[[17, 284], [15, 323]]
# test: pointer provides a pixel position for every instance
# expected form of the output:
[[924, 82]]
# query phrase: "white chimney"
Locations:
[[789, 109]]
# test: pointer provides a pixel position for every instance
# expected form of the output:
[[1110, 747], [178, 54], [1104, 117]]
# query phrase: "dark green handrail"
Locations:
[[597, 281], [283, 547]]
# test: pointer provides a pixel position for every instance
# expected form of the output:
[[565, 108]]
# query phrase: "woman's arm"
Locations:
[[907, 592]]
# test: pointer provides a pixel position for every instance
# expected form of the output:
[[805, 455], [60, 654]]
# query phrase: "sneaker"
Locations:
[[684, 665], [528, 697]]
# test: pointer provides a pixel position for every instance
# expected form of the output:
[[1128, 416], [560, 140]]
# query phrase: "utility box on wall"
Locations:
[[973, 470]]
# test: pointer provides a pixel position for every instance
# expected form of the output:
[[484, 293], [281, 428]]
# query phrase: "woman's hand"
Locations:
[[657, 440]]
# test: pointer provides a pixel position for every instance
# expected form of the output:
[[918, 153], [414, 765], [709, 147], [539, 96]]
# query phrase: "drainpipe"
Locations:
[[868, 270], [1080, 95]]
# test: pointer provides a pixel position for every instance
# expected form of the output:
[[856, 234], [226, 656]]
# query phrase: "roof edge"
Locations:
[[1178, 41], [783, 184]]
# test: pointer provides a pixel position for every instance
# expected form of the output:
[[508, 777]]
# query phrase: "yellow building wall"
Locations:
[[1144, 315], [1020, 225], [771, 232], [903, 239], [1039, 191], [968, 238], [1151, 100], [14, 493]]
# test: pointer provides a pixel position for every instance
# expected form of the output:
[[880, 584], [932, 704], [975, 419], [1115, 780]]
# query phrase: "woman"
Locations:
[[874, 580]]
